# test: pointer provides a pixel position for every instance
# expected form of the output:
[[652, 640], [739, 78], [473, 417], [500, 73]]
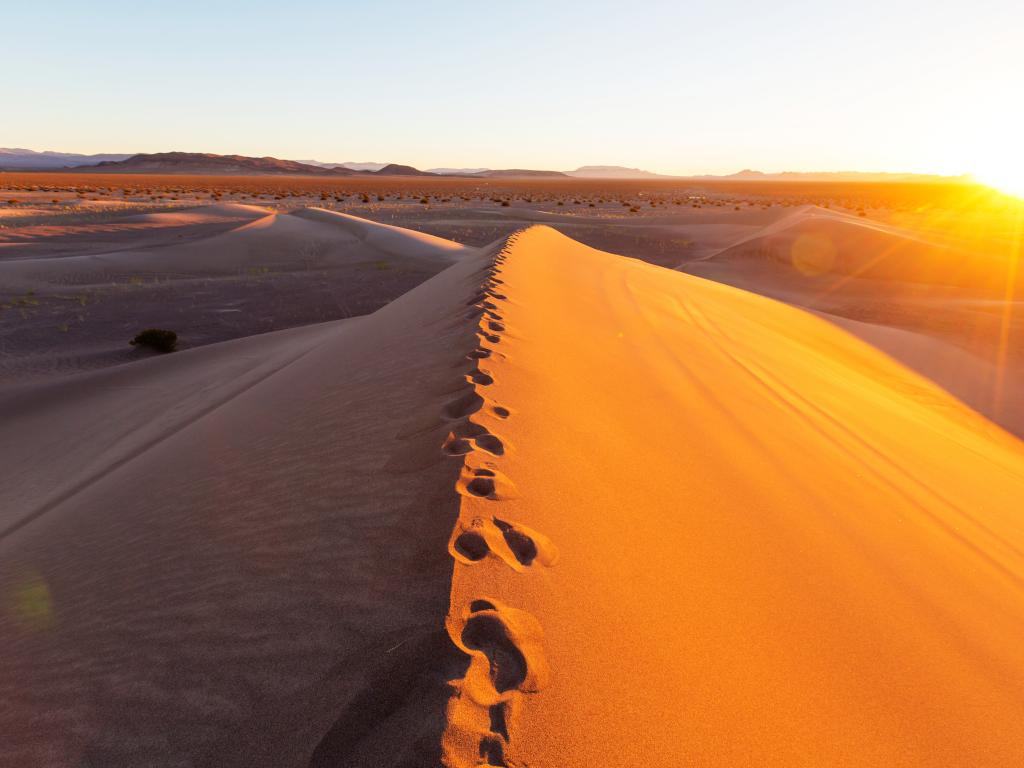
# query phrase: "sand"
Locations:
[[775, 545], [72, 299], [549, 507], [211, 557], [949, 307]]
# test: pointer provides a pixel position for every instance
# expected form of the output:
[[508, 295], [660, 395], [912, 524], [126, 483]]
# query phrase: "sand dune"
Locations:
[[81, 235], [878, 279], [813, 242], [209, 273], [997, 394], [552, 507], [773, 546], [386, 238], [258, 238]]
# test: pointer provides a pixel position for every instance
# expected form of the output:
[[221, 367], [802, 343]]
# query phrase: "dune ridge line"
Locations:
[[504, 643]]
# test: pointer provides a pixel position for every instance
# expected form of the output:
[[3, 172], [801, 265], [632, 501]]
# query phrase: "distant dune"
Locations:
[[814, 241], [936, 303], [550, 507]]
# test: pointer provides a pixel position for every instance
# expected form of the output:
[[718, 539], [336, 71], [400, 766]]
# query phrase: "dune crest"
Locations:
[[771, 545], [504, 644]]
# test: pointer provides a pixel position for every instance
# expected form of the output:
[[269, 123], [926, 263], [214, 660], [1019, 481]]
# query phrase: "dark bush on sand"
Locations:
[[155, 338]]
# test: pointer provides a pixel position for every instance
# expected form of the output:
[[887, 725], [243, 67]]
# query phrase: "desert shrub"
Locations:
[[156, 338]]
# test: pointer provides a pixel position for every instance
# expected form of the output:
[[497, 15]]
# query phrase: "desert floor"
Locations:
[[510, 474]]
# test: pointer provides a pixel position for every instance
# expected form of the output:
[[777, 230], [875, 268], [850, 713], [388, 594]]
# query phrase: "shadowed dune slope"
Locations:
[[306, 239], [251, 271], [389, 239], [723, 532], [231, 555], [80, 235]]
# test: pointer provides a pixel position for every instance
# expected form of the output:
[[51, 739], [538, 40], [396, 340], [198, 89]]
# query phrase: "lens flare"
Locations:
[[31, 603], [813, 254], [1008, 180]]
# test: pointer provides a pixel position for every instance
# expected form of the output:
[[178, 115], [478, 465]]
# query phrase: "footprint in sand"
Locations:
[[514, 544], [481, 378], [471, 437], [490, 443], [482, 483], [487, 631], [507, 661], [462, 406], [492, 751], [510, 641]]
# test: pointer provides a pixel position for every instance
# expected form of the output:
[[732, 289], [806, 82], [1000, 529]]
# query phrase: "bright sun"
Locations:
[[1009, 180]]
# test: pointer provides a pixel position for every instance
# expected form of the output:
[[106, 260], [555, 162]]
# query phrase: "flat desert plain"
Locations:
[[515, 473]]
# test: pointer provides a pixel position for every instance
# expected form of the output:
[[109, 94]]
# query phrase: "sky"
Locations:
[[675, 87]]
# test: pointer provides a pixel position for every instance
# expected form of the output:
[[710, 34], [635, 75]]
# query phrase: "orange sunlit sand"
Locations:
[[752, 509]]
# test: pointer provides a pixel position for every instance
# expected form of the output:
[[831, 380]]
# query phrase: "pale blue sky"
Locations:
[[670, 86]]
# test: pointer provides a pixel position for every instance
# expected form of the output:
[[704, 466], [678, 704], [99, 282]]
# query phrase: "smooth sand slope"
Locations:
[[951, 309], [236, 555], [552, 507], [71, 302], [723, 532]]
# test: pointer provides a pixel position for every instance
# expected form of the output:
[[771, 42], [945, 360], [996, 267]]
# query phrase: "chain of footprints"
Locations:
[[509, 659]]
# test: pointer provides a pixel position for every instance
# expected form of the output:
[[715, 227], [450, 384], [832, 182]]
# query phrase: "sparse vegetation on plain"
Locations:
[[156, 339]]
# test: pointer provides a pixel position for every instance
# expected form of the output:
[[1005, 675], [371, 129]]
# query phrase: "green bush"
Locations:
[[156, 338]]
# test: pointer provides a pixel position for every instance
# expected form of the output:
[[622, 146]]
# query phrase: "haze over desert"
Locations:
[[641, 386]]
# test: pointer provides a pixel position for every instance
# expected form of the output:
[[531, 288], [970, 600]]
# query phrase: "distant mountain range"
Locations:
[[27, 159], [613, 172], [458, 171], [748, 175], [362, 166], [207, 163], [204, 163]]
